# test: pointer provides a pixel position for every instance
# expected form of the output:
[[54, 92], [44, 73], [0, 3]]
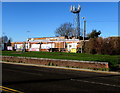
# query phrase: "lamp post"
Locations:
[[84, 33], [84, 28], [24, 47], [28, 45], [28, 34]]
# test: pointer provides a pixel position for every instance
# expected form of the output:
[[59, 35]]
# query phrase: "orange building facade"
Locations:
[[49, 44]]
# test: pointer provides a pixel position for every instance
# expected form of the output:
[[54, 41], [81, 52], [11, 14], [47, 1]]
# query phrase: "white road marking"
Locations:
[[96, 83], [105, 84]]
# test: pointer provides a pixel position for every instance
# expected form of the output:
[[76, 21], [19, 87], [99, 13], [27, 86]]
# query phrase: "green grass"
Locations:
[[69, 56], [113, 60]]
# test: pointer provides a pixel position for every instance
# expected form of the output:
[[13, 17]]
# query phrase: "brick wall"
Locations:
[[57, 62]]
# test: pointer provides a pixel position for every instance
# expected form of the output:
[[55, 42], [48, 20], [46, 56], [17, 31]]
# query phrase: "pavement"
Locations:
[[76, 69], [30, 78]]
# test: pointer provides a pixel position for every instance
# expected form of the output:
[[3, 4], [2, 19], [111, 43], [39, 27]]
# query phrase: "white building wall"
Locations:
[[35, 46], [47, 46], [71, 45]]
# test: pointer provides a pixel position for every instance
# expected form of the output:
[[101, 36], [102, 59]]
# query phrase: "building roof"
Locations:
[[43, 38], [60, 40]]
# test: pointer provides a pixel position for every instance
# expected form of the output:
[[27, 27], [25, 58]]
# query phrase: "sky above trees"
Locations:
[[21, 20]]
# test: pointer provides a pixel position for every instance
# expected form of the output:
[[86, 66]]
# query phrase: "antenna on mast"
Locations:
[[76, 11]]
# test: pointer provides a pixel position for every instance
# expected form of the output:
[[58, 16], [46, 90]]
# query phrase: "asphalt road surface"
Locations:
[[31, 79]]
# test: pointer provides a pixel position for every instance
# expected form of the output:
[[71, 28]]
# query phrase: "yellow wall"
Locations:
[[73, 50]]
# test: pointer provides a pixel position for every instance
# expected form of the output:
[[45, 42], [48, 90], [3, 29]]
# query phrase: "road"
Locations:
[[32, 79]]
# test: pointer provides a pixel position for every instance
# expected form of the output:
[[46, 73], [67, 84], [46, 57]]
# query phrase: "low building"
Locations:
[[50, 44]]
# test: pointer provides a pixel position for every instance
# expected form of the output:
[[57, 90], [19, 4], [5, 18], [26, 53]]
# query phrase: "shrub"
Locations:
[[110, 45]]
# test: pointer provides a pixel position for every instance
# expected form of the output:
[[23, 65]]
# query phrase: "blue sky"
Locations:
[[42, 18]]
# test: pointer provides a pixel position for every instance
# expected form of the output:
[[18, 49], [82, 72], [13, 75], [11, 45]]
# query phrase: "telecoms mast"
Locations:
[[76, 11]]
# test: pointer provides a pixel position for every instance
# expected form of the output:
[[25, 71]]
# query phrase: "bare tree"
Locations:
[[4, 39], [65, 29]]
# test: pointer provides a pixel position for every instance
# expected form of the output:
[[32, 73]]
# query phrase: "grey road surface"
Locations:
[[32, 79]]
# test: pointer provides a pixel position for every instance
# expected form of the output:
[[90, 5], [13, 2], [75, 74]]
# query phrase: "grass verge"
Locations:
[[113, 60]]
